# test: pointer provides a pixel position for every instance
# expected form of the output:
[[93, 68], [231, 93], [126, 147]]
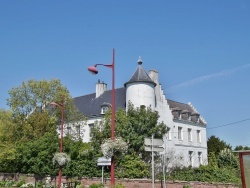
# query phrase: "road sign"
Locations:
[[102, 161], [156, 142], [157, 149]]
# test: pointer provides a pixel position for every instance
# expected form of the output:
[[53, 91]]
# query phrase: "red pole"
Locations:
[[112, 174]]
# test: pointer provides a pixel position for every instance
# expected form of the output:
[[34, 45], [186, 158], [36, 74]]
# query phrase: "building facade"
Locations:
[[185, 142]]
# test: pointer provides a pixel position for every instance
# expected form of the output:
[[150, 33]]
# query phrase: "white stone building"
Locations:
[[186, 142]]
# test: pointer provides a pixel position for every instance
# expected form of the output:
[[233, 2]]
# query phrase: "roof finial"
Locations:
[[139, 61]]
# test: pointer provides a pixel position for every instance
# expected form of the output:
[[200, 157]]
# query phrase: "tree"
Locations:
[[238, 148], [214, 144], [132, 126], [228, 159], [32, 124], [7, 147]]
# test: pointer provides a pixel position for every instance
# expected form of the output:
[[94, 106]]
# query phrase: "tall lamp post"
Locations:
[[94, 70], [61, 105]]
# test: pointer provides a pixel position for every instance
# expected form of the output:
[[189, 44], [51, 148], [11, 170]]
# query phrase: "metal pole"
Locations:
[[112, 174], [153, 181], [102, 175]]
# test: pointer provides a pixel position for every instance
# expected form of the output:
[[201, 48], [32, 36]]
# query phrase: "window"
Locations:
[[190, 135], [68, 130], [198, 136], [104, 109], [190, 155], [91, 125], [169, 135], [78, 131], [180, 133], [200, 158]]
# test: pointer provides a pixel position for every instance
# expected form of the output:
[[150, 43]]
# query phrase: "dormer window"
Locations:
[[186, 115], [195, 117], [105, 107]]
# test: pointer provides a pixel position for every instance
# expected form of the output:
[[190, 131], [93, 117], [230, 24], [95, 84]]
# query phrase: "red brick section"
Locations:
[[145, 183]]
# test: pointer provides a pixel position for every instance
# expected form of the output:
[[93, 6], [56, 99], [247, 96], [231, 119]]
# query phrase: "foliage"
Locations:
[[228, 159], [133, 126], [112, 147], [214, 144], [36, 156], [132, 166], [238, 148], [94, 185], [61, 158], [206, 174], [212, 160]]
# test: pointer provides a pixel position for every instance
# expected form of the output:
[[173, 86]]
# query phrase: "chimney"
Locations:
[[153, 74], [100, 88]]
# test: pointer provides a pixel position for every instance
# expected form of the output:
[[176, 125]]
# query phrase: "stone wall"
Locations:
[[128, 183]]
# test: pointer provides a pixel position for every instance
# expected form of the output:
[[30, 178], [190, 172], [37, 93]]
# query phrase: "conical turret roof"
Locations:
[[140, 75]]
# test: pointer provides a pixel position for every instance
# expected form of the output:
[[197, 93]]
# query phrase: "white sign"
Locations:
[[103, 161], [156, 142], [157, 149]]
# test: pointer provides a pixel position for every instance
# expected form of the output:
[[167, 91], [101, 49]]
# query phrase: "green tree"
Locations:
[[238, 148], [33, 124], [228, 159], [36, 156], [214, 144], [133, 126], [7, 147]]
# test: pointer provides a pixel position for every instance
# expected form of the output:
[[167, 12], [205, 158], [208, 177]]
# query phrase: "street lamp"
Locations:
[[94, 70], [61, 105]]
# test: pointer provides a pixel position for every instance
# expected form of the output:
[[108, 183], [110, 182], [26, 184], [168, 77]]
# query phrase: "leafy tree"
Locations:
[[36, 156], [228, 159], [132, 166], [214, 144], [133, 126], [238, 148], [7, 147]]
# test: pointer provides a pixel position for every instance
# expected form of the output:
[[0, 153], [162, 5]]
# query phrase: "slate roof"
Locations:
[[178, 108], [140, 75], [90, 106]]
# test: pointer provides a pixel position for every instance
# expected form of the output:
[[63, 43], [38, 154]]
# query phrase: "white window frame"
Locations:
[[190, 135], [198, 136], [200, 158], [190, 157], [169, 136], [180, 134]]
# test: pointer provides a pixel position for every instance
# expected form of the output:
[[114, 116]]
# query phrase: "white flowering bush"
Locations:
[[111, 147], [61, 159]]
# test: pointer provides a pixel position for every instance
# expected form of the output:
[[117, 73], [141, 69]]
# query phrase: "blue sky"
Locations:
[[201, 50]]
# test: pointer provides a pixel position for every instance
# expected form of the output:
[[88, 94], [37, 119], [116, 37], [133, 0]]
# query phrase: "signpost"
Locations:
[[103, 161], [153, 145]]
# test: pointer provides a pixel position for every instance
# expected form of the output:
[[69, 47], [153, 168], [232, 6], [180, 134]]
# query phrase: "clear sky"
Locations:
[[201, 50]]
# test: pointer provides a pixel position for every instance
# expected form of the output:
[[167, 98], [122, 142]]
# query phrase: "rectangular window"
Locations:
[[91, 125], [68, 130], [78, 131], [190, 155], [180, 133], [198, 136], [190, 135], [169, 137], [200, 158]]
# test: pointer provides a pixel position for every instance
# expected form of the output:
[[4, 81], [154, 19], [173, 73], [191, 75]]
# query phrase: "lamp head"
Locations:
[[93, 69], [54, 104]]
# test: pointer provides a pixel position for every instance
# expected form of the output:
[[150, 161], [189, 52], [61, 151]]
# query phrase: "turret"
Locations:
[[140, 88]]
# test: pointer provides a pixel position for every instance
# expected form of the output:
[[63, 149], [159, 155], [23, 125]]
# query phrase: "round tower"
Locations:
[[140, 88]]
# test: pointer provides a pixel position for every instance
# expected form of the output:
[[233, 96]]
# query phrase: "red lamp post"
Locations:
[[61, 105], [94, 70]]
